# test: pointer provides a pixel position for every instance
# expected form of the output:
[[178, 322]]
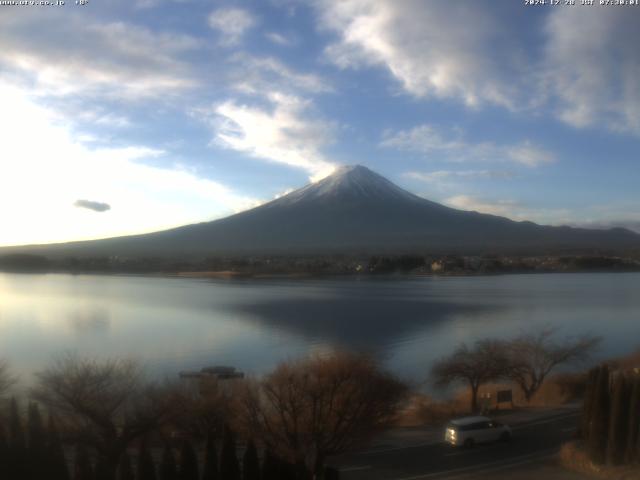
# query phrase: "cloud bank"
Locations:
[[587, 73], [114, 59], [592, 67]]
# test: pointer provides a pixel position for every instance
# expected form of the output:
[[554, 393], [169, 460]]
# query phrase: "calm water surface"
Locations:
[[174, 324]]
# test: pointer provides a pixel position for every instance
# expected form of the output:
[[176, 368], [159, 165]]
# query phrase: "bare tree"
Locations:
[[532, 357], [107, 403], [485, 361], [307, 410], [201, 409]]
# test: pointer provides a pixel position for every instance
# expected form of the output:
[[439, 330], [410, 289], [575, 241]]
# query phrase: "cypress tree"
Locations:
[[188, 462], [125, 468], [633, 437], [210, 469], [56, 461], [17, 465], [637, 456], [299, 471], [16, 434], [229, 466], [101, 470], [168, 467], [269, 466], [587, 406], [83, 469], [287, 471], [599, 429], [331, 473], [37, 448], [618, 426], [37, 436], [274, 468], [4, 451], [250, 463], [146, 468]]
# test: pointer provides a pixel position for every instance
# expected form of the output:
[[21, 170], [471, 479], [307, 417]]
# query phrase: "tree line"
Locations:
[[116, 425], [34, 452]]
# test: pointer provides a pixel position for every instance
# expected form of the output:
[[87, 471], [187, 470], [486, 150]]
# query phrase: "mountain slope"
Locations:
[[352, 211]]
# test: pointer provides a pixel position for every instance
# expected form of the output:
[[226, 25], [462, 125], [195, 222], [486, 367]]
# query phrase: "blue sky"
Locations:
[[131, 116]]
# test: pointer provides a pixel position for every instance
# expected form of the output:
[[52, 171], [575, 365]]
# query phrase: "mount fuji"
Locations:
[[354, 210]]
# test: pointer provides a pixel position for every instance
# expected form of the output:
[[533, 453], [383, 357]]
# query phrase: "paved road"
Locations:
[[534, 441]]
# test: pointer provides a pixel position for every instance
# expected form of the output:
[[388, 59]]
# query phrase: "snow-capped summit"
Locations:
[[349, 183]]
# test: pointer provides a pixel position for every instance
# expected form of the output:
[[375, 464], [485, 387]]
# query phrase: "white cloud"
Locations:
[[279, 39], [422, 138], [440, 176], [619, 214], [232, 24], [146, 3], [257, 75], [592, 66], [103, 119], [434, 49], [285, 192], [279, 123], [494, 207], [591, 216], [44, 171], [63, 53], [429, 140], [282, 134], [629, 224], [527, 154], [143, 4], [510, 208], [270, 116]]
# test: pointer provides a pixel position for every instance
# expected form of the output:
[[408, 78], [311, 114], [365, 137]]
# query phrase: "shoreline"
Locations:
[[238, 275]]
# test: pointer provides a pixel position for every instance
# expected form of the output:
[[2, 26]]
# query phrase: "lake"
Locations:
[[173, 324]]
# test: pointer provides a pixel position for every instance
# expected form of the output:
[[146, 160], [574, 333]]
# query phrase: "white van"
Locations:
[[468, 431]]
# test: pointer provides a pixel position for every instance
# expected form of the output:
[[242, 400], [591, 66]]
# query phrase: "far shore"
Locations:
[[230, 274], [408, 265]]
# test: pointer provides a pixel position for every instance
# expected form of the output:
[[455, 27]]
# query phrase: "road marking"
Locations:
[[355, 469], [515, 461]]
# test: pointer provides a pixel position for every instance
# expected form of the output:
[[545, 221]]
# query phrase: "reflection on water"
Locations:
[[175, 324], [371, 323], [94, 321]]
